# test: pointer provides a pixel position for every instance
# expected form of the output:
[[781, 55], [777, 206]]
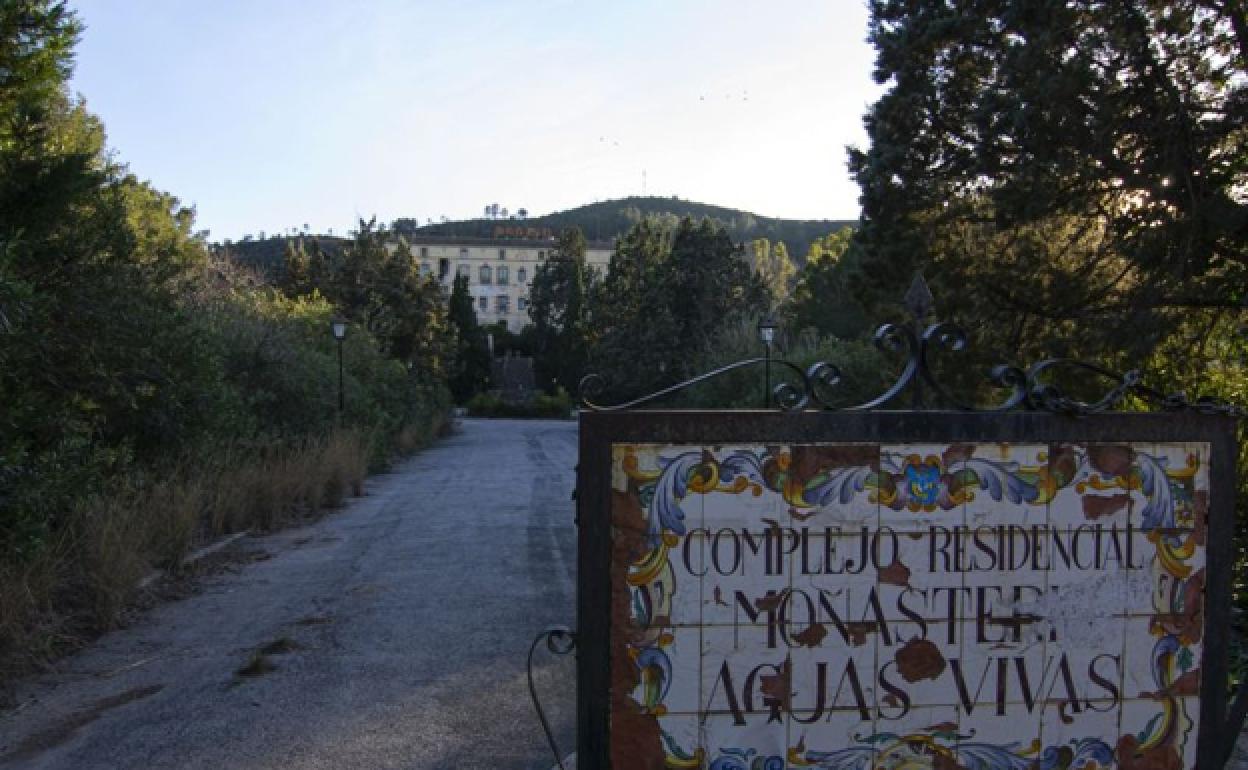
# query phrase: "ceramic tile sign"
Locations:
[[865, 606]]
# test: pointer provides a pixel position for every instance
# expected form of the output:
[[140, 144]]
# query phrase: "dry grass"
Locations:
[[81, 583], [29, 630], [277, 487], [413, 438]]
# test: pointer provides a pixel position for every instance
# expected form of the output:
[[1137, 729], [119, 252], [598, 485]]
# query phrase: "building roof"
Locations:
[[518, 243]]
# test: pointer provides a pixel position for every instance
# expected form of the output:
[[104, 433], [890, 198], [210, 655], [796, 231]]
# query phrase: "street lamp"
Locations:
[[767, 333], [339, 329]]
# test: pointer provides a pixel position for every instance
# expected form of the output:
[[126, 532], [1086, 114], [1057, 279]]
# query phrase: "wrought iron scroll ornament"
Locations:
[[1029, 389], [559, 641]]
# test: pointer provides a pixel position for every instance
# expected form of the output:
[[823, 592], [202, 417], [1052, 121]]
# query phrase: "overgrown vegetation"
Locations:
[[666, 297], [556, 406], [865, 371], [155, 394]]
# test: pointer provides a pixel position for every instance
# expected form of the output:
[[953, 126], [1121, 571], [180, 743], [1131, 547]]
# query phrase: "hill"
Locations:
[[603, 221], [268, 254], [607, 220]]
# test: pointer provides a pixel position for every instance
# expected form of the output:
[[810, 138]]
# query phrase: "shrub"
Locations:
[[544, 405], [865, 371], [153, 396]]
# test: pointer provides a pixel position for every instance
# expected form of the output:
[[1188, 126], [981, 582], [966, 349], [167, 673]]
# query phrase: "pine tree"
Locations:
[[667, 294], [559, 309], [470, 369], [1076, 167]]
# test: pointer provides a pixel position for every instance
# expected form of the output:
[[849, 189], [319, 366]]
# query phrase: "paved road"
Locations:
[[399, 628]]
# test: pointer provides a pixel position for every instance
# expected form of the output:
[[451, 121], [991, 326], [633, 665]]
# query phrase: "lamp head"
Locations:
[[767, 329], [339, 328]]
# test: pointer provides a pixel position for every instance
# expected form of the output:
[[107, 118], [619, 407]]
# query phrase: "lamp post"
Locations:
[[339, 329], [767, 333]]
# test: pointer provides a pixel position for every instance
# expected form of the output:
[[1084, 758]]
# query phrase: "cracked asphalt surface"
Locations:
[[396, 632]]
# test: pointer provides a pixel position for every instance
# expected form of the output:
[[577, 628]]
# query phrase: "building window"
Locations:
[[502, 303], [425, 270], [541, 254], [502, 253], [464, 269], [504, 275], [485, 274], [463, 251], [522, 275], [444, 267], [522, 304], [424, 251], [484, 304]]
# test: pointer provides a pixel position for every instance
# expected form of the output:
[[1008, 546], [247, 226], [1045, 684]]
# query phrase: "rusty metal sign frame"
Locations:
[[1219, 722]]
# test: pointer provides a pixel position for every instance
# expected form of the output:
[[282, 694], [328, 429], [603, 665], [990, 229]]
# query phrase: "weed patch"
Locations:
[[82, 581]]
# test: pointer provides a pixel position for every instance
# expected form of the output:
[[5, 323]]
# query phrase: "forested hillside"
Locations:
[[264, 254], [604, 221], [608, 220]]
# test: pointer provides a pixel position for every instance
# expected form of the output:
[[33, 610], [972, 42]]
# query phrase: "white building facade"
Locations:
[[499, 270]]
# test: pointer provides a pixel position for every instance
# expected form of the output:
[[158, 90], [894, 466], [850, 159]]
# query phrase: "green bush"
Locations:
[[137, 373], [865, 372], [544, 405]]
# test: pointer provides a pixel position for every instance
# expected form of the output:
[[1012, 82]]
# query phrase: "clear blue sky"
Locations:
[[268, 114]]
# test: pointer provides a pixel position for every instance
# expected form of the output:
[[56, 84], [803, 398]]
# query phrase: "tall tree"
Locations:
[[559, 309], [823, 298], [667, 295], [470, 367], [1093, 153], [375, 282], [99, 361], [774, 267]]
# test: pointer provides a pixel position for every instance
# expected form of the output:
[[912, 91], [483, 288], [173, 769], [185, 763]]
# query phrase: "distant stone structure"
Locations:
[[513, 378]]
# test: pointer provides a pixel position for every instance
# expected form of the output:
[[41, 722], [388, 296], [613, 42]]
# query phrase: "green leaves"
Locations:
[[666, 296], [559, 305], [1122, 116], [375, 283], [823, 298], [470, 368], [124, 348]]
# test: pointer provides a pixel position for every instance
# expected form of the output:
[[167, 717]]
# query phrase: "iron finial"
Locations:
[[918, 300]]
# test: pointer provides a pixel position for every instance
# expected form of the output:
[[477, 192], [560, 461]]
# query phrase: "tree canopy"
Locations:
[[669, 293], [375, 282], [559, 309], [1059, 162], [823, 298], [470, 368]]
